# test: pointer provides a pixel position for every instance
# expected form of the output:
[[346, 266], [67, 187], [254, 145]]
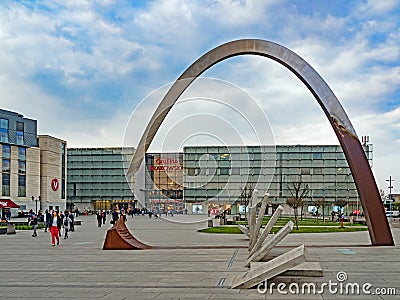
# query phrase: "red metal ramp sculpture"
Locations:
[[119, 238]]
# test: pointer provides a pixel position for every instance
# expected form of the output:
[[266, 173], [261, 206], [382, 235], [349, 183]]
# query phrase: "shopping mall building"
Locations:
[[207, 179], [33, 174]]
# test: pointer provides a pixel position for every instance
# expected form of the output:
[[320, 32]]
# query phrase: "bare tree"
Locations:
[[245, 198], [298, 190], [341, 203]]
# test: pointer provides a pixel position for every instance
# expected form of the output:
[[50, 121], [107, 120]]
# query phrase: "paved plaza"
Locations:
[[201, 266]]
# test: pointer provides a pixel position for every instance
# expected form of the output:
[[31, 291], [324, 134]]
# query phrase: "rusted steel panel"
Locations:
[[119, 238]]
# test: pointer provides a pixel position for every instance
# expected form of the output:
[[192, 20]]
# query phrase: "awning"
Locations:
[[7, 203]]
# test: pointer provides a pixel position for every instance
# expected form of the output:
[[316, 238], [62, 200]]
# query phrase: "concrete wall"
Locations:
[[51, 168]]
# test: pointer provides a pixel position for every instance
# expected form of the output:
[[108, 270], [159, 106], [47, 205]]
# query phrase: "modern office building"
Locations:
[[33, 166], [322, 169], [96, 179]]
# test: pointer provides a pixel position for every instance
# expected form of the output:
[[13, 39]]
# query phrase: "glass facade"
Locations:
[[163, 185], [215, 177], [96, 179]]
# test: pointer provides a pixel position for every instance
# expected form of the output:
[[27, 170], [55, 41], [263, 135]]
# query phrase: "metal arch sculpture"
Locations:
[[378, 226]]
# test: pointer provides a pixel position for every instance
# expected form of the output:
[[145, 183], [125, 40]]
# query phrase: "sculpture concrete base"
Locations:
[[305, 269], [267, 270], [270, 243]]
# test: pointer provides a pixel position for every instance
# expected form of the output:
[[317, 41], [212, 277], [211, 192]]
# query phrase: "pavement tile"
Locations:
[[79, 269]]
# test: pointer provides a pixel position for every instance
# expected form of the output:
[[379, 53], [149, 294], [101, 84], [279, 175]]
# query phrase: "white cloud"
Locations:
[[372, 7], [83, 46]]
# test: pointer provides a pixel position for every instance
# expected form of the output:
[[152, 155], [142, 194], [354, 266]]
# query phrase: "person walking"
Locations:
[[66, 224], [55, 226], [104, 216], [123, 216], [99, 218], [47, 220], [114, 216], [61, 218], [34, 223], [72, 217]]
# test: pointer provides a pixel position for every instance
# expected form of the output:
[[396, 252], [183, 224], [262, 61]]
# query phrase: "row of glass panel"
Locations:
[[92, 172], [98, 185], [223, 174], [96, 179], [99, 192], [268, 164], [6, 166], [265, 149]]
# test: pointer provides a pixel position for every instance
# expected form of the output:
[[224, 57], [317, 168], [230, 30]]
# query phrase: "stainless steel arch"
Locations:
[[378, 226]]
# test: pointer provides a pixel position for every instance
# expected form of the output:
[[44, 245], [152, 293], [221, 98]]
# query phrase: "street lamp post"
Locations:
[[390, 180], [36, 200], [390, 197]]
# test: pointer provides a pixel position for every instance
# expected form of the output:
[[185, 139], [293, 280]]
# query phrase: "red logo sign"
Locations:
[[54, 184]]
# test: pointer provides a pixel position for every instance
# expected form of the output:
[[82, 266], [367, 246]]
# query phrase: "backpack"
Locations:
[[65, 221]]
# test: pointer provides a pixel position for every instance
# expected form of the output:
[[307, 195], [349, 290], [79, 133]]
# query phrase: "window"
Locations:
[[21, 186], [235, 171], [317, 155], [6, 151], [256, 171], [21, 153], [6, 166], [305, 171], [20, 133], [6, 184], [191, 171], [4, 130], [224, 171], [317, 171], [21, 167]]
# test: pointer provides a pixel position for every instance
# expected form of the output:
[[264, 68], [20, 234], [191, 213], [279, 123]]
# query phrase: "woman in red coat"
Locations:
[[55, 226]]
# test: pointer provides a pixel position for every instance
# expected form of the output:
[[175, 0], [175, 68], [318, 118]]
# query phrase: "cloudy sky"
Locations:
[[82, 67]]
